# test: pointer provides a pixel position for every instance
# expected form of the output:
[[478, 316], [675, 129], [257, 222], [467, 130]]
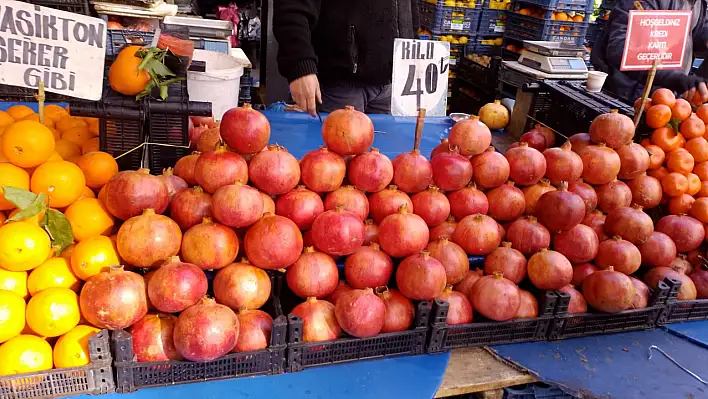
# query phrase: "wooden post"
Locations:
[[645, 94], [419, 129], [40, 100]]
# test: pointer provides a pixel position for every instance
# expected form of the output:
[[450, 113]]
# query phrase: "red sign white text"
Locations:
[[656, 35]]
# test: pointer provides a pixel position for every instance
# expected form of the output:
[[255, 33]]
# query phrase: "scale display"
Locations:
[[552, 64]]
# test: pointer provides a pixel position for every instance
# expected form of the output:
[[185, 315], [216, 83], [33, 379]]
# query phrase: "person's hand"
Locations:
[[306, 93], [702, 90]]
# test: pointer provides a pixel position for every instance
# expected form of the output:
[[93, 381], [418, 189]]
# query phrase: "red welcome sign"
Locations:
[[655, 35]]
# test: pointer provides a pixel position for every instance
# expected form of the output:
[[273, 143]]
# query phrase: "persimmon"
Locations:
[[692, 127], [697, 99], [674, 184], [701, 170], [698, 147], [658, 116], [124, 75], [702, 112], [699, 210], [638, 102], [681, 109], [657, 173], [667, 139], [656, 156], [680, 161], [703, 192], [681, 204], [694, 184], [663, 96]]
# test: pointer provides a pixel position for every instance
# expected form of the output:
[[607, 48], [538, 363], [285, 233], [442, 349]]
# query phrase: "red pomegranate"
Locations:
[[254, 329], [348, 131], [562, 164], [579, 244], [547, 133], [579, 142], [371, 232], [319, 322], [274, 171], [491, 169], [400, 312], [338, 232], [681, 265], [560, 210], [206, 331], [641, 296], [387, 202], [412, 173], [577, 303], [508, 261], [451, 171], [218, 168], [176, 286], [646, 191], [459, 307], [696, 258], [189, 207], [609, 291], [601, 164], [634, 160], [658, 251], [349, 197], [301, 206], [613, 195], [114, 299], [403, 233], [535, 140], [470, 279], [453, 258], [534, 192], [174, 183], [549, 270], [368, 267], [477, 234], [273, 242], [467, 201], [210, 246], [268, 203], [195, 132], [322, 170], [623, 255], [421, 277], [237, 205], [686, 232], [700, 281], [129, 193], [152, 338], [528, 236], [586, 192], [581, 271], [444, 146], [529, 306], [630, 223], [471, 136], [444, 230], [208, 140], [242, 286], [148, 240], [184, 168], [431, 205], [314, 274], [596, 221], [360, 313], [495, 297], [370, 171], [687, 292], [342, 287], [527, 165], [245, 129], [613, 129], [506, 202]]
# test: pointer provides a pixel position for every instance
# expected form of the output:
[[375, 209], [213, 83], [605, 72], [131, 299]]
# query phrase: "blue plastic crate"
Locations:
[[457, 51], [445, 20], [464, 3], [521, 27], [571, 5], [116, 39], [492, 23], [483, 49]]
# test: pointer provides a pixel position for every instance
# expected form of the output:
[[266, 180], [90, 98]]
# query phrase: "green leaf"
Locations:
[[674, 124], [35, 208], [147, 57], [159, 68], [59, 229], [19, 197], [163, 92]]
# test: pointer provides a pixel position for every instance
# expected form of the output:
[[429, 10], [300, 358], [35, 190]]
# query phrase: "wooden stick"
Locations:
[[419, 129], [645, 94], [40, 100]]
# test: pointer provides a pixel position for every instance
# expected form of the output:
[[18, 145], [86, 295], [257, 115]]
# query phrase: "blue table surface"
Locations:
[[696, 332]]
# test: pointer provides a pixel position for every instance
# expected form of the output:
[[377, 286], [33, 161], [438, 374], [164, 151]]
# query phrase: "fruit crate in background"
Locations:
[[567, 325], [565, 5], [492, 23], [483, 333], [524, 27], [480, 46], [457, 50], [476, 74], [95, 378], [457, 4], [116, 39], [679, 311], [75, 6], [447, 20]]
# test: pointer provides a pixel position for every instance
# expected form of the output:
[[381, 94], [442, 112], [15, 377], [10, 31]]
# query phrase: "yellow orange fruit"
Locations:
[[87, 193], [53, 312], [54, 273], [88, 218], [77, 135], [72, 348], [124, 75], [54, 112], [68, 122], [23, 246], [93, 255], [27, 143], [18, 112], [98, 167], [12, 176], [32, 219], [3, 218], [35, 117], [25, 354], [6, 119], [66, 253], [67, 149], [91, 145], [12, 315], [55, 133], [93, 126], [14, 281], [62, 181]]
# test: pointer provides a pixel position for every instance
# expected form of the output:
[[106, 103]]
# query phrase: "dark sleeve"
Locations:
[[293, 22], [416, 17]]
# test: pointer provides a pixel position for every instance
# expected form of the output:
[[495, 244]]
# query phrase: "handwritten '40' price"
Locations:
[[414, 87]]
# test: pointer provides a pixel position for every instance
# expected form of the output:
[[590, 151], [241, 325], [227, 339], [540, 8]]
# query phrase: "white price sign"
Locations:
[[420, 69], [62, 49]]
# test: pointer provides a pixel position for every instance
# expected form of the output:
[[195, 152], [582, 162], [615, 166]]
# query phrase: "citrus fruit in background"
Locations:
[[124, 75], [72, 348], [54, 112], [35, 117], [62, 181], [18, 112], [87, 193], [54, 273], [6, 119], [14, 281], [32, 219], [93, 126], [77, 135], [12, 315], [93, 255], [25, 354], [13, 176], [67, 122], [3, 218], [66, 253], [53, 312], [55, 157], [55, 133], [27, 143], [98, 168], [91, 145], [67, 149], [23, 246], [88, 218]]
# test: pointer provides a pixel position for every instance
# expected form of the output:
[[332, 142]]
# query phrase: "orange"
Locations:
[[55, 133], [55, 157], [18, 112], [681, 109], [525, 11], [674, 184], [66, 253], [62, 181], [32, 219], [88, 218], [68, 122], [54, 112], [680, 161], [72, 348], [67, 149], [3, 218], [93, 126], [87, 193], [77, 135], [98, 167], [14, 281], [658, 115], [91, 145], [25, 354], [53, 312], [23, 246], [561, 16], [27, 143], [12, 316], [12, 176], [124, 76], [578, 18], [35, 117], [692, 127], [54, 273], [102, 195], [6, 119], [663, 96], [93, 255]]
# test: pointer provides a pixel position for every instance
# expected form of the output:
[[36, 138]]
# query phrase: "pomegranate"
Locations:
[[586, 192], [342, 287], [630, 223], [527, 165], [549, 270], [360, 313], [195, 133], [237, 205], [547, 133], [506, 202], [695, 258], [274, 171], [613, 129], [148, 240], [349, 197], [634, 160], [301, 206], [562, 164], [129, 193], [421, 277], [444, 230], [348, 131], [641, 296], [314, 274], [152, 338], [210, 246], [613, 195], [700, 281], [609, 291], [268, 203], [273, 242], [400, 312], [254, 329], [477, 234], [242, 286], [371, 171], [371, 232], [471, 136], [338, 232], [579, 142], [208, 121], [528, 236], [495, 297], [686, 232], [403, 234], [621, 254], [319, 322], [560, 210], [529, 306], [577, 303], [535, 140], [681, 265], [579, 244], [431, 205], [470, 279], [245, 129], [208, 140], [459, 307], [184, 168], [600, 164], [444, 146], [453, 258], [491, 169], [581, 271], [174, 184], [412, 172], [451, 171], [114, 299], [206, 331], [215, 169], [534, 192], [189, 207], [387, 202], [467, 201], [176, 286], [322, 171], [367, 267], [596, 220], [508, 261], [307, 239], [687, 292], [658, 251], [646, 191]]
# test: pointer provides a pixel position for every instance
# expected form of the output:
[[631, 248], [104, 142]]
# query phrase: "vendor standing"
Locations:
[[607, 52], [339, 52]]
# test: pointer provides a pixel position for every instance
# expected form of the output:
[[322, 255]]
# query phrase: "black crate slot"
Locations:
[[478, 75], [75, 6], [117, 39], [679, 311]]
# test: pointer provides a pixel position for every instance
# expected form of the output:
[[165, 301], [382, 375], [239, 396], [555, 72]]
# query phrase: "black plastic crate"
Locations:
[[23, 94], [680, 311], [444, 336], [566, 5], [492, 23], [524, 27], [476, 74], [75, 6], [447, 20], [95, 378], [468, 3], [535, 391], [479, 48], [116, 39]]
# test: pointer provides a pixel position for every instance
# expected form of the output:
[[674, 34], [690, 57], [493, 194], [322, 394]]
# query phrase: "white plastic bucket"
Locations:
[[219, 84]]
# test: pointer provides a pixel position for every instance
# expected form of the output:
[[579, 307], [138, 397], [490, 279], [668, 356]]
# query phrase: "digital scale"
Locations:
[[554, 57]]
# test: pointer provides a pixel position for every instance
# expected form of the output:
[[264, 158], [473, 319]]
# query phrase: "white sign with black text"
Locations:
[[420, 69], [64, 50]]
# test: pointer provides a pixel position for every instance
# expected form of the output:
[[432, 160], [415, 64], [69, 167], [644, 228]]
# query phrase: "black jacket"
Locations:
[[607, 52], [341, 40]]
